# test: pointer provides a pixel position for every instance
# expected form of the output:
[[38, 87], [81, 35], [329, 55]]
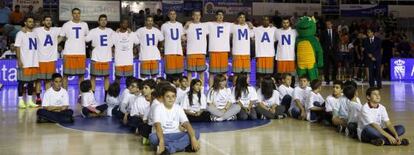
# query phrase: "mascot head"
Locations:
[[306, 26]]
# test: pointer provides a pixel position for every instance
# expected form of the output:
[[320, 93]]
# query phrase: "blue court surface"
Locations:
[[111, 125]]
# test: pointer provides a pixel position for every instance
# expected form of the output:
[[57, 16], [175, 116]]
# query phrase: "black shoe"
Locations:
[[327, 83], [189, 149], [165, 152], [378, 142], [42, 120], [405, 142]]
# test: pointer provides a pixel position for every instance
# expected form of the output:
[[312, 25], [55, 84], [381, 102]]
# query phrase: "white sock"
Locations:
[[29, 98], [20, 98]]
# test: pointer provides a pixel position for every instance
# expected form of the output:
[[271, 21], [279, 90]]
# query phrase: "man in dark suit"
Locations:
[[329, 39], [372, 50]]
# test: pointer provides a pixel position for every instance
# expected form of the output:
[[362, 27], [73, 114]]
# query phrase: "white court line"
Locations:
[[214, 147]]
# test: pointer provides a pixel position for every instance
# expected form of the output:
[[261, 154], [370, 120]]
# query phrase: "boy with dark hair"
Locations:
[[374, 125]]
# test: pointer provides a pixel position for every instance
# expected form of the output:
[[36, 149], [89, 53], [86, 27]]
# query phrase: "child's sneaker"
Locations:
[[340, 128], [22, 105], [405, 142], [232, 118], [145, 141], [31, 104], [82, 114], [219, 119], [377, 142], [38, 101]]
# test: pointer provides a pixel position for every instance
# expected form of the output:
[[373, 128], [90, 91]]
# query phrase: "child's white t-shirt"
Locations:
[[111, 102], [310, 100], [299, 94], [55, 98], [274, 100], [88, 99], [354, 108], [180, 94], [150, 114], [139, 107], [127, 99], [170, 119], [246, 97], [198, 103], [343, 111], [370, 115], [332, 103], [220, 98], [283, 90]]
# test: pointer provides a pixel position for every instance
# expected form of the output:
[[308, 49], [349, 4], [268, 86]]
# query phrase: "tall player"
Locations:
[[124, 41], [265, 48], [74, 58], [285, 56], [149, 54], [173, 34], [196, 35], [218, 46], [48, 54], [26, 44], [102, 51], [241, 34]]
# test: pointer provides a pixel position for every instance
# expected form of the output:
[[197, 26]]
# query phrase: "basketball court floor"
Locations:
[[20, 134]]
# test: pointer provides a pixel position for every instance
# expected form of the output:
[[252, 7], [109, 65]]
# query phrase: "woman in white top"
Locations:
[[269, 101], [220, 100], [194, 103], [246, 97]]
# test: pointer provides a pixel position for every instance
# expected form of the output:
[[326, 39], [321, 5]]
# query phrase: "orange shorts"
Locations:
[[99, 68], [219, 62], [286, 66], [46, 70], [241, 63], [74, 64], [124, 71], [28, 74], [149, 67], [174, 64], [196, 63], [264, 65]]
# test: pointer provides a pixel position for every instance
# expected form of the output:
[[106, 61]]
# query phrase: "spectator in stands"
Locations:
[[404, 47], [10, 53], [30, 12], [139, 19], [388, 51], [277, 20], [4, 14], [39, 14], [342, 26], [16, 17], [329, 40], [159, 18], [147, 12], [390, 23]]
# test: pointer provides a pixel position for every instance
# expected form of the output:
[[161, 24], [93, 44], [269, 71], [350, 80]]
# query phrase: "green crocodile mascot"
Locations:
[[309, 54]]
